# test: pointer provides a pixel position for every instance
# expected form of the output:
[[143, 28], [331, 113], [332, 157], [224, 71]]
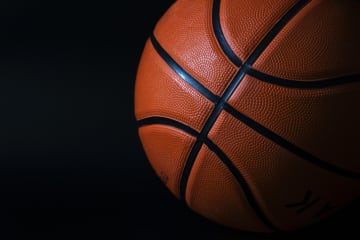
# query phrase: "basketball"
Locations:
[[248, 110]]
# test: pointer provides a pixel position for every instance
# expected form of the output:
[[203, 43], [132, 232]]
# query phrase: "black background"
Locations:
[[72, 166]]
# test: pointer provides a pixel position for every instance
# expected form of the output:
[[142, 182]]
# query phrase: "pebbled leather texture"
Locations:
[[265, 135]]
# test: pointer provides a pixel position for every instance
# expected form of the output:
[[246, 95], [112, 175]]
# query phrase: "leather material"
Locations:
[[248, 109]]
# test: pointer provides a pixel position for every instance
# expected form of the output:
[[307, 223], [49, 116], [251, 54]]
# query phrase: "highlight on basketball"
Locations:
[[248, 110]]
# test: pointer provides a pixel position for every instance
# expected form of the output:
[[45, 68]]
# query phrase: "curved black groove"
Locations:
[[241, 180], [288, 145], [181, 72], [298, 84], [167, 122], [275, 30], [220, 35], [230, 90]]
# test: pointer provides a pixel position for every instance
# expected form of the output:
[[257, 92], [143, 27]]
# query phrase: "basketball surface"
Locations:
[[248, 110]]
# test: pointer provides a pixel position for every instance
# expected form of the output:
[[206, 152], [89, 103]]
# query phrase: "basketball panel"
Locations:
[[167, 149], [322, 42], [245, 23], [185, 32], [212, 191], [292, 192], [159, 91], [319, 121]]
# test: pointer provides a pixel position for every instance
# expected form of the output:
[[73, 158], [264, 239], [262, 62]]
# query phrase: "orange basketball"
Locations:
[[248, 110]]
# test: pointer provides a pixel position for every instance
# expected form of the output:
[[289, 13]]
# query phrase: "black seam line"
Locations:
[[219, 35], [243, 183], [167, 122], [230, 90], [300, 84], [181, 72], [222, 156], [288, 145]]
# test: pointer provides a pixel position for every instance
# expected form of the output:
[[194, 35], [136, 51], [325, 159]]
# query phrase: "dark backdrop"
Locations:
[[71, 164]]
